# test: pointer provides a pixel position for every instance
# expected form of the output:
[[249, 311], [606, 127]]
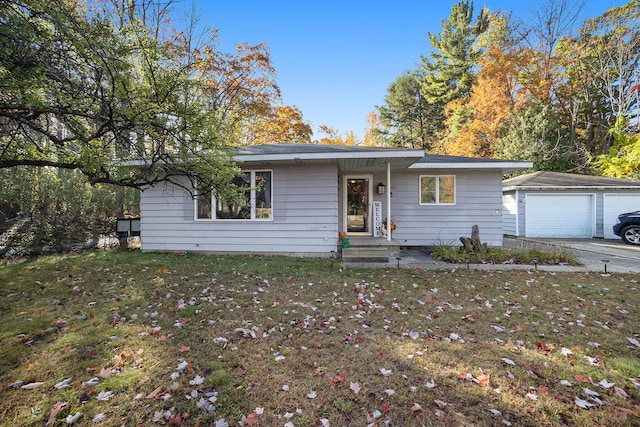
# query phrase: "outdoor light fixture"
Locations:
[[381, 188]]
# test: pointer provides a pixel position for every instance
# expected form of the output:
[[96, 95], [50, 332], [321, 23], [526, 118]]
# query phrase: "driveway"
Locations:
[[593, 253]]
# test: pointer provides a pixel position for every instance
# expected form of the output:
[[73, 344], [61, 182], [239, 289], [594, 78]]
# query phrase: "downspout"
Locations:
[[388, 201]]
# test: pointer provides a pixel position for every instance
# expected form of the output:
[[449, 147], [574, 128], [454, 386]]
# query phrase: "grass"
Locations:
[[193, 340]]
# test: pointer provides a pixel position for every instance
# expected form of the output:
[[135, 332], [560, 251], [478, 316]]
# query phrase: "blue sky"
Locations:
[[335, 59]]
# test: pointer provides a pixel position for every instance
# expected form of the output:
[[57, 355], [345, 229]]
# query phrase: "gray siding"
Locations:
[[510, 213], [305, 218], [478, 201]]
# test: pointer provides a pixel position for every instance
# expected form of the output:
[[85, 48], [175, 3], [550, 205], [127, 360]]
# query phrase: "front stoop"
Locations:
[[365, 254], [370, 250]]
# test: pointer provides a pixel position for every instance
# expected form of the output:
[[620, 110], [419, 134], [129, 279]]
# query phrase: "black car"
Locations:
[[628, 227]]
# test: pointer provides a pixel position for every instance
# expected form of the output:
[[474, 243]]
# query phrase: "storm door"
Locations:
[[357, 198]]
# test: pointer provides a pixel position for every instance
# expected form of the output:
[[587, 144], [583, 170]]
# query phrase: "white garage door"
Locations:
[[614, 205], [559, 215]]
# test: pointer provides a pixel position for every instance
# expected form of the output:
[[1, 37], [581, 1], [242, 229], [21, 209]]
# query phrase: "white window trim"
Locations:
[[252, 201], [437, 202]]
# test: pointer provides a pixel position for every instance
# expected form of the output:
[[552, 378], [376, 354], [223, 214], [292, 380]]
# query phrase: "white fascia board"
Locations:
[[417, 154], [512, 166], [569, 187]]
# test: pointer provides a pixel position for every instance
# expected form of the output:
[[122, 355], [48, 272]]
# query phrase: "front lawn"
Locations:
[[127, 338]]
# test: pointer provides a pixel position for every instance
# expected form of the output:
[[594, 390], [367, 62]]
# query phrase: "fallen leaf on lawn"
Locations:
[[620, 392], [250, 420], [338, 380], [222, 423], [184, 349], [582, 403], [355, 387], [566, 351], [430, 384], [385, 408], [90, 383], [155, 393], [105, 373], [566, 383], [469, 377], [590, 392], [32, 385], [441, 404], [57, 408], [583, 378], [63, 384], [532, 396], [544, 347], [390, 392], [508, 361], [416, 407], [414, 335], [495, 412], [385, 372], [606, 384], [483, 379], [634, 341], [321, 422], [99, 417], [312, 394], [73, 418], [103, 396], [198, 380]]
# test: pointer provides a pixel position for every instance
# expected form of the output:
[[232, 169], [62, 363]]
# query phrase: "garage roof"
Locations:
[[561, 181]]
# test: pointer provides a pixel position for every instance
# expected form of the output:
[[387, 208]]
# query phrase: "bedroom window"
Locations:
[[437, 189], [254, 202]]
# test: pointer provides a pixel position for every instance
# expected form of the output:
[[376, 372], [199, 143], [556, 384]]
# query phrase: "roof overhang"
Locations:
[[504, 166], [569, 187], [370, 159]]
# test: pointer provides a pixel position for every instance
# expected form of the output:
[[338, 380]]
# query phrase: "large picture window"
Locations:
[[437, 190], [253, 201]]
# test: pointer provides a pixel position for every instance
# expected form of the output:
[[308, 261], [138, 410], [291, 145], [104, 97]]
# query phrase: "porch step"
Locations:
[[365, 254]]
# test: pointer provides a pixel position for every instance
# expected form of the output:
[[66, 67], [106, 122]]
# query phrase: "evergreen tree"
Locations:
[[449, 72], [403, 118]]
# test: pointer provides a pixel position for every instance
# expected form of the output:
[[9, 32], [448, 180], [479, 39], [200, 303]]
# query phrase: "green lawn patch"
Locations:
[[134, 338]]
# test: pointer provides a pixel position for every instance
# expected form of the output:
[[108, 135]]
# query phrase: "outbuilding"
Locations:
[[564, 205]]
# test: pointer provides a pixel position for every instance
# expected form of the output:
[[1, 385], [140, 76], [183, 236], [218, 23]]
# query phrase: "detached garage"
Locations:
[[563, 205]]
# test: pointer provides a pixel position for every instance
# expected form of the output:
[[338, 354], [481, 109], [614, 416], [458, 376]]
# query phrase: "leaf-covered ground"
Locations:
[[125, 338]]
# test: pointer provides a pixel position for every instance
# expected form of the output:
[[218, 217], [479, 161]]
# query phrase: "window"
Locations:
[[437, 190], [253, 202]]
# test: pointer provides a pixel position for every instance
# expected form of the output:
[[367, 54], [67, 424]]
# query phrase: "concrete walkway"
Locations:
[[593, 254]]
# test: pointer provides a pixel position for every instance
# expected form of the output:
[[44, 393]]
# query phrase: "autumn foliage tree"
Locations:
[[494, 94], [548, 90], [103, 86], [278, 124]]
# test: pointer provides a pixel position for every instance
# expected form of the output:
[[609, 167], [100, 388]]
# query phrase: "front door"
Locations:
[[357, 198]]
